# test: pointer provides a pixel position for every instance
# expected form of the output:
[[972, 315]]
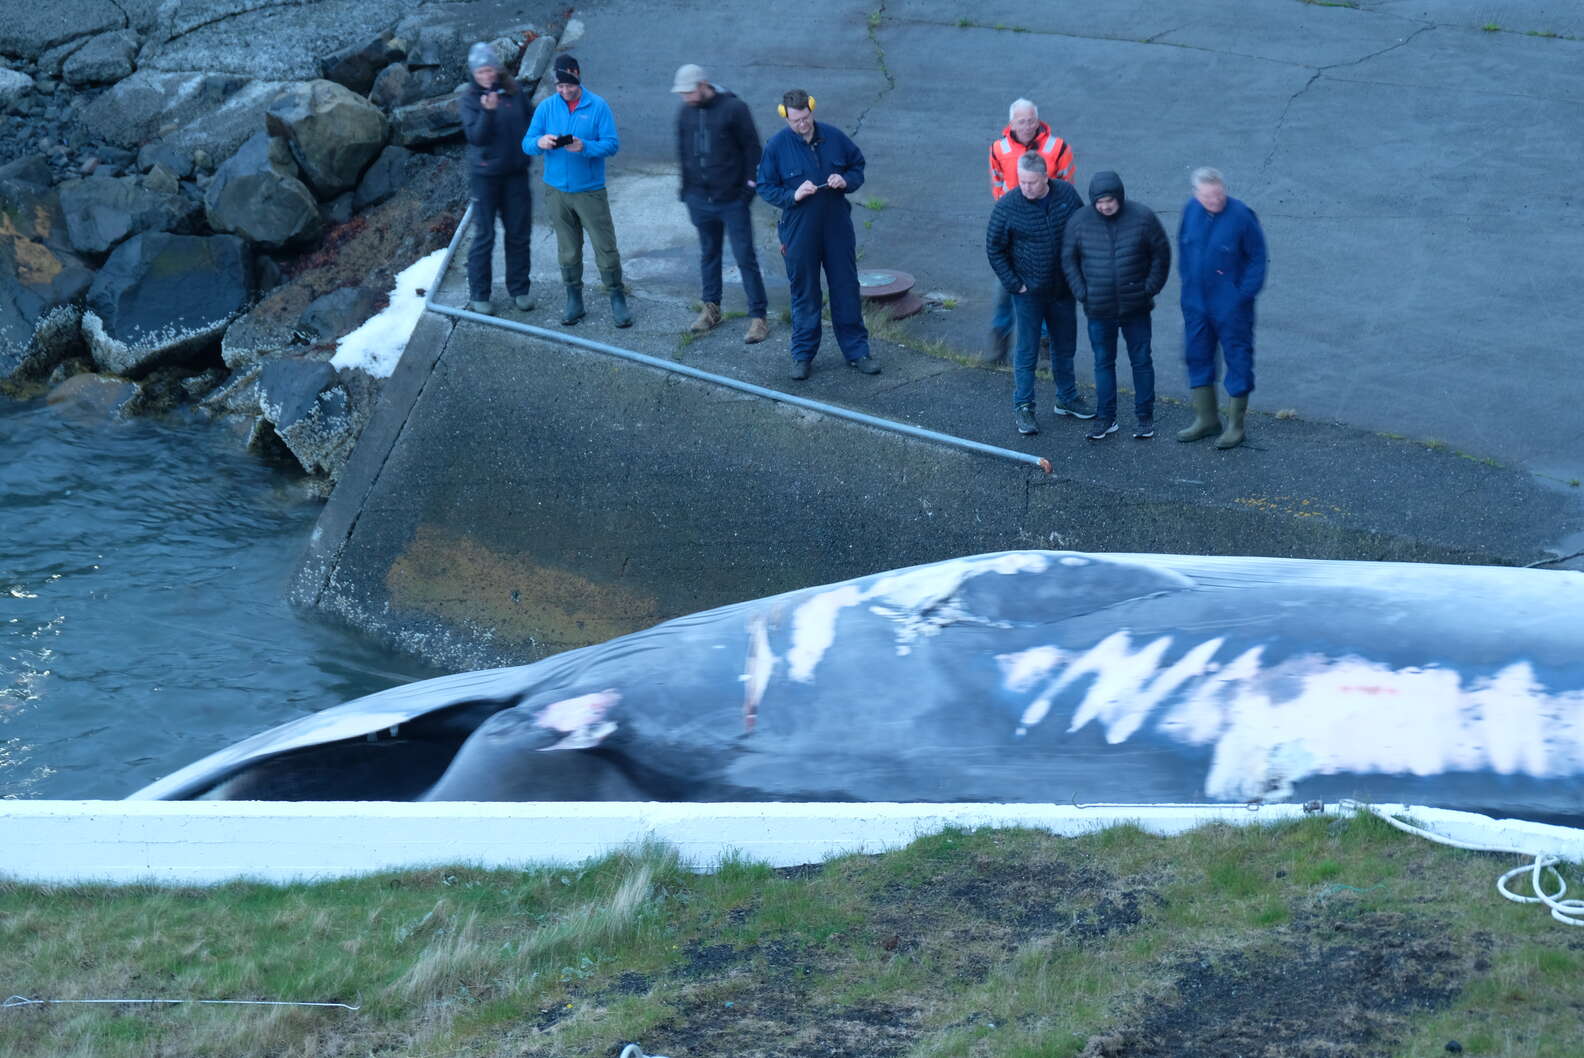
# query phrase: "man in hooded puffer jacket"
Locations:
[[1116, 257], [494, 119]]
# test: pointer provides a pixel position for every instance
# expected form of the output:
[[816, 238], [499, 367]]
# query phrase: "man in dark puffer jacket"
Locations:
[[1024, 244], [1116, 258]]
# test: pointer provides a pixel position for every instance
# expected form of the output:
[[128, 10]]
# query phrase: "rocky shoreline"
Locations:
[[198, 198]]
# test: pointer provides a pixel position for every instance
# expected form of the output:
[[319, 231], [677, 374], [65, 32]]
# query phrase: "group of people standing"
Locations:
[[1051, 253]]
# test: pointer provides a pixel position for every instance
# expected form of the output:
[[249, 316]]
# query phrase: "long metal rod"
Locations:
[[675, 368]]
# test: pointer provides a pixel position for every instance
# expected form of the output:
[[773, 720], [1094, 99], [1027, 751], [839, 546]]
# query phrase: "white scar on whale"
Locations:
[[1272, 726]]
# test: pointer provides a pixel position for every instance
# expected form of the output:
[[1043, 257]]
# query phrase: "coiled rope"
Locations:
[[1567, 910]]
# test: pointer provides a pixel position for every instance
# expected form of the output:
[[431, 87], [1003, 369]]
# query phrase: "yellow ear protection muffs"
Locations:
[[781, 107]]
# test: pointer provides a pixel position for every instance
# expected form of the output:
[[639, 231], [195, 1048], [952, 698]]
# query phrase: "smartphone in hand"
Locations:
[[564, 139]]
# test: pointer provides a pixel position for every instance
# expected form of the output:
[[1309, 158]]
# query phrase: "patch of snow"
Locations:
[[377, 346]]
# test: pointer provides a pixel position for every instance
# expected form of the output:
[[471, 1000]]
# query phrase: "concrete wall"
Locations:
[[204, 842], [515, 497]]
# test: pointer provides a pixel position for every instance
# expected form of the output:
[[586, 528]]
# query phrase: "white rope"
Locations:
[[1568, 911], [25, 1001], [632, 1050]]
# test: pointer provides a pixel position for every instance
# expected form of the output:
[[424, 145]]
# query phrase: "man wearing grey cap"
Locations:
[[718, 148]]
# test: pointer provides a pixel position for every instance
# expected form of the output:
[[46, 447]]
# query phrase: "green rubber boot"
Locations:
[[1205, 423], [1232, 436]]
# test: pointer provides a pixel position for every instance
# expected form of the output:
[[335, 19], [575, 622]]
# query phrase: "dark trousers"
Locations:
[[1060, 317], [1137, 332], [715, 220], [509, 198], [1234, 332], [826, 243]]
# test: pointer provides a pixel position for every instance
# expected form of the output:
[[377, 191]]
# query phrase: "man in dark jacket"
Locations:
[[494, 119], [1024, 243], [807, 171], [718, 148], [1221, 250], [1116, 258]]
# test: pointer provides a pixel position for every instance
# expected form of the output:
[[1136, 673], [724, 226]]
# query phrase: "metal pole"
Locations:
[[705, 376]]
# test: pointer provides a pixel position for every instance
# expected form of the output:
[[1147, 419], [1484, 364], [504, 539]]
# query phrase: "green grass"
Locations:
[[1491, 27], [964, 943], [875, 204]]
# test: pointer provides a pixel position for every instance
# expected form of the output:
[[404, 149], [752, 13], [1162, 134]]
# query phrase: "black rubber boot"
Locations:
[[574, 305], [620, 314]]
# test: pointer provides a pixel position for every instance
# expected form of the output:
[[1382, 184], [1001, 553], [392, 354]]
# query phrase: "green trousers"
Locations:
[[571, 214]]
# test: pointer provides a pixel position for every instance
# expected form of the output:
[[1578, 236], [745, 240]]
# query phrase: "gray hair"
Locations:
[[1206, 175], [1019, 104], [1033, 161]]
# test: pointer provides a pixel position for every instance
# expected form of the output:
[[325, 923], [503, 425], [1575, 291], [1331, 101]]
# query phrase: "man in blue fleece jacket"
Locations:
[[807, 171], [575, 132]]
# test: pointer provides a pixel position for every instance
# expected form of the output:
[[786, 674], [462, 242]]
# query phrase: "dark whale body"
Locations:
[[1027, 676]]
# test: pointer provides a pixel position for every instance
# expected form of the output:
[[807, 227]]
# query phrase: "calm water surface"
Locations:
[[143, 567]]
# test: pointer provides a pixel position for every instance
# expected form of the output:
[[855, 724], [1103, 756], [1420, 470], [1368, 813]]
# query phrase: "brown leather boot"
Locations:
[[758, 331], [708, 317]]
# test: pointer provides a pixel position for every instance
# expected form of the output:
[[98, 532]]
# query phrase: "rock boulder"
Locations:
[[312, 412], [256, 194], [30, 27], [338, 313], [150, 104], [101, 213], [38, 273], [334, 133], [103, 59], [356, 67], [390, 171], [431, 121], [14, 84], [160, 297]]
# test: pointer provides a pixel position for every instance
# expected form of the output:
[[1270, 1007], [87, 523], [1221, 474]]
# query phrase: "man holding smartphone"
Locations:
[[575, 132]]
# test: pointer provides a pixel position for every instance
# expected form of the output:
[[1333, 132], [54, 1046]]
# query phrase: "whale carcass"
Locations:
[[1022, 676]]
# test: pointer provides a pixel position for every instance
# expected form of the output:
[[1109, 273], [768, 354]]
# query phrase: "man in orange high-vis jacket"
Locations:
[[1024, 132]]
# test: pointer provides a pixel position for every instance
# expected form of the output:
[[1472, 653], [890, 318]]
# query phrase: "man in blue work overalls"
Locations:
[[807, 171]]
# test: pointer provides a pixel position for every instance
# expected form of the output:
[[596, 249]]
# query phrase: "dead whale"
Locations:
[[1024, 676]]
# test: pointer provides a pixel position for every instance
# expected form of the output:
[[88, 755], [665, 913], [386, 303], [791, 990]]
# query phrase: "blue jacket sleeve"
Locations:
[[605, 142], [1253, 244], [536, 128], [772, 187]]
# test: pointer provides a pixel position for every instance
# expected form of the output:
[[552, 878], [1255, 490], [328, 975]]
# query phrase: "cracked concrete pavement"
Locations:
[[1414, 164]]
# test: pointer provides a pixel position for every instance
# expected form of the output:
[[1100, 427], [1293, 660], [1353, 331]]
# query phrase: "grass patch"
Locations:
[[875, 204], [1312, 937], [1491, 27]]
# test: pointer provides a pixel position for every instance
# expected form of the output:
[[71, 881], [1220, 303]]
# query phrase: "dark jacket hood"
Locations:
[[1106, 183]]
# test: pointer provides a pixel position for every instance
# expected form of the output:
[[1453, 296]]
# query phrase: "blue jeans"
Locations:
[[1060, 317], [713, 220], [1001, 323], [1136, 331]]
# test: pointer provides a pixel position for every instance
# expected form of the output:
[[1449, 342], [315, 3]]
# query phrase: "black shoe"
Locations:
[[574, 304], [620, 314], [1075, 407], [865, 365], [1101, 429], [1145, 429], [1023, 416], [800, 370]]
